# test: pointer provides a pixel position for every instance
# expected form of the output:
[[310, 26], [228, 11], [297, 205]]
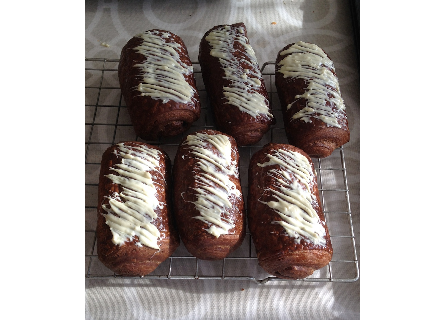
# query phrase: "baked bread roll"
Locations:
[[234, 84], [208, 202], [135, 231], [285, 216], [157, 83], [313, 109]]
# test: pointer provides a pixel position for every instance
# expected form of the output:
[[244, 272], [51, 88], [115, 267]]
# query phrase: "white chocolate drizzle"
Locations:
[[163, 71], [309, 62], [294, 180], [214, 187], [241, 93], [131, 212]]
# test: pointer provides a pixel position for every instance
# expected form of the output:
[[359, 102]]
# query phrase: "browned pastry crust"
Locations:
[[129, 259], [277, 252], [245, 128], [193, 234], [315, 138], [153, 118]]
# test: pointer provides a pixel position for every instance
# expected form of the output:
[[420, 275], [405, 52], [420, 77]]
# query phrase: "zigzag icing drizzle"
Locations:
[[294, 199], [309, 62], [131, 212], [241, 93], [163, 71], [215, 189]]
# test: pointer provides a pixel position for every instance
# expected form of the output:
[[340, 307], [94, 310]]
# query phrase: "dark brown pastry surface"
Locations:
[[206, 181], [132, 257], [276, 174], [234, 84], [167, 111], [311, 84]]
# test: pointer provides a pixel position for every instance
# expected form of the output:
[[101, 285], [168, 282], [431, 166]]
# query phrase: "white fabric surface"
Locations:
[[207, 299], [109, 25]]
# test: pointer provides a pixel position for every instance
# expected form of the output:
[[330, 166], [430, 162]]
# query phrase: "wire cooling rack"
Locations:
[[107, 122]]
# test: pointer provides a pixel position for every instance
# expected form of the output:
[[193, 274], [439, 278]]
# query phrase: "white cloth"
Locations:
[[211, 299]]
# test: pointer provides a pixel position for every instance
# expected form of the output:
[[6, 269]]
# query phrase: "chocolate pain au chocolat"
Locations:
[[157, 83], [313, 109], [285, 216], [135, 230], [234, 84], [208, 201]]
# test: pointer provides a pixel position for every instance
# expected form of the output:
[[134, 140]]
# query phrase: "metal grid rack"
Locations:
[[107, 122]]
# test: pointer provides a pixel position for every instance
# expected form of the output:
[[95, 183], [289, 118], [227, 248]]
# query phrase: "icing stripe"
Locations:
[[163, 71], [131, 212], [215, 189], [244, 82], [293, 201], [309, 62]]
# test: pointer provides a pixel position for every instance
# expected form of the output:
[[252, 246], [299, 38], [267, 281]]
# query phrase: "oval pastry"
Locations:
[[208, 202], [158, 85], [235, 84], [135, 231], [285, 216], [313, 109]]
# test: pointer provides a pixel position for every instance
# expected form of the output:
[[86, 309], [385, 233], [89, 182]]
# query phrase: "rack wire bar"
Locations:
[[107, 122]]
